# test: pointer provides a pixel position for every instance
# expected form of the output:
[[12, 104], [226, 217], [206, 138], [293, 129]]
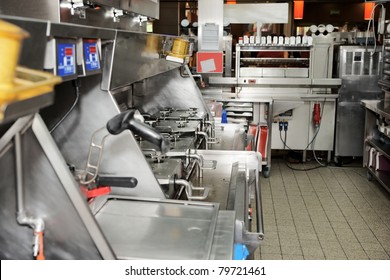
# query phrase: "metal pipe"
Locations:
[[19, 175], [202, 83], [189, 188], [212, 123], [259, 211], [37, 224], [198, 160], [186, 184], [206, 137]]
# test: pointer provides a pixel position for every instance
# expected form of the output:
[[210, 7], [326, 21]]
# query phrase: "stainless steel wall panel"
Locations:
[[350, 115], [137, 56], [168, 90], [55, 11], [150, 8], [79, 31], [121, 156], [103, 18], [39, 9], [33, 48], [66, 236]]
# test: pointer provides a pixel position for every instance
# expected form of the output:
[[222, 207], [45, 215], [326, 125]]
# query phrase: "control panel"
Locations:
[[61, 58], [71, 57], [91, 55], [88, 58], [66, 59]]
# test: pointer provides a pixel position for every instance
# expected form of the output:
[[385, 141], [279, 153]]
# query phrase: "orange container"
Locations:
[[29, 83], [180, 48], [11, 37]]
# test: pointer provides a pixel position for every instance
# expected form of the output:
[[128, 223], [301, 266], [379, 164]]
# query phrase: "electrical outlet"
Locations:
[[285, 126], [281, 126]]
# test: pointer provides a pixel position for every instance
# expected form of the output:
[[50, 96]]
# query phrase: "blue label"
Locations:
[[66, 59], [91, 56]]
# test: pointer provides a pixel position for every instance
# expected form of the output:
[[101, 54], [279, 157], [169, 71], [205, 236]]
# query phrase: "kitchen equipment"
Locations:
[[116, 125], [359, 69]]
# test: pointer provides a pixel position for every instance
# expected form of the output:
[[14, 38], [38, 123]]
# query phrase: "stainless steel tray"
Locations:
[[239, 114], [240, 104], [152, 229], [239, 109]]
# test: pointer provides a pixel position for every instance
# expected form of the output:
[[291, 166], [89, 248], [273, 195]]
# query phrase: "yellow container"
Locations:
[[152, 43], [29, 83], [179, 48], [11, 37]]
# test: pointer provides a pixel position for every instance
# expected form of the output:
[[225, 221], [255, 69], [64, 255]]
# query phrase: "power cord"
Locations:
[[76, 85], [283, 126], [372, 19], [286, 161], [314, 151]]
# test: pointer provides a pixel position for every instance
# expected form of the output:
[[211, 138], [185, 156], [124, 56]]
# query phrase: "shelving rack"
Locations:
[[373, 138]]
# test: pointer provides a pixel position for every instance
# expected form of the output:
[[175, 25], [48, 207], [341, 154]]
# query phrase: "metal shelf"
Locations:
[[380, 107], [375, 109], [31, 91], [259, 47], [383, 177], [379, 146], [275, 60], [384, 83], [13, 110]]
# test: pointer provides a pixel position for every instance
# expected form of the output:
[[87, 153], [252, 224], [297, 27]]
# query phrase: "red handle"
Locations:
[[317, 114]]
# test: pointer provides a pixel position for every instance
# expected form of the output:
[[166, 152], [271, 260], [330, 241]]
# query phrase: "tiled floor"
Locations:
[[327, 213]]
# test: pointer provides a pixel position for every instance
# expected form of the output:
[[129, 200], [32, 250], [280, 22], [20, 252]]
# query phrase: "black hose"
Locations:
[[77, 92]]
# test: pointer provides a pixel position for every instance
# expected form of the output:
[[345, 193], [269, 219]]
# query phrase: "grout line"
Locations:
[[365, 219], [319, 176], [311, 220]]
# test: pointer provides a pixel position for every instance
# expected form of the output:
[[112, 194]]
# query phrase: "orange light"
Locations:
[[298, 9], [368, 7], [231, 2]]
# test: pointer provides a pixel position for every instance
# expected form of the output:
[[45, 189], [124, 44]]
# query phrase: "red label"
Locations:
[[68, 51], [209, 62]]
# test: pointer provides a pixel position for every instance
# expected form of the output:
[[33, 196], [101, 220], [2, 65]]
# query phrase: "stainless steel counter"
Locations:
[[230, 137], [165, 229], [381, 107], [235, 185]]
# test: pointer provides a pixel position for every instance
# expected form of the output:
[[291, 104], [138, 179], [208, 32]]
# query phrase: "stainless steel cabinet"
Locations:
[[359, 69]]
